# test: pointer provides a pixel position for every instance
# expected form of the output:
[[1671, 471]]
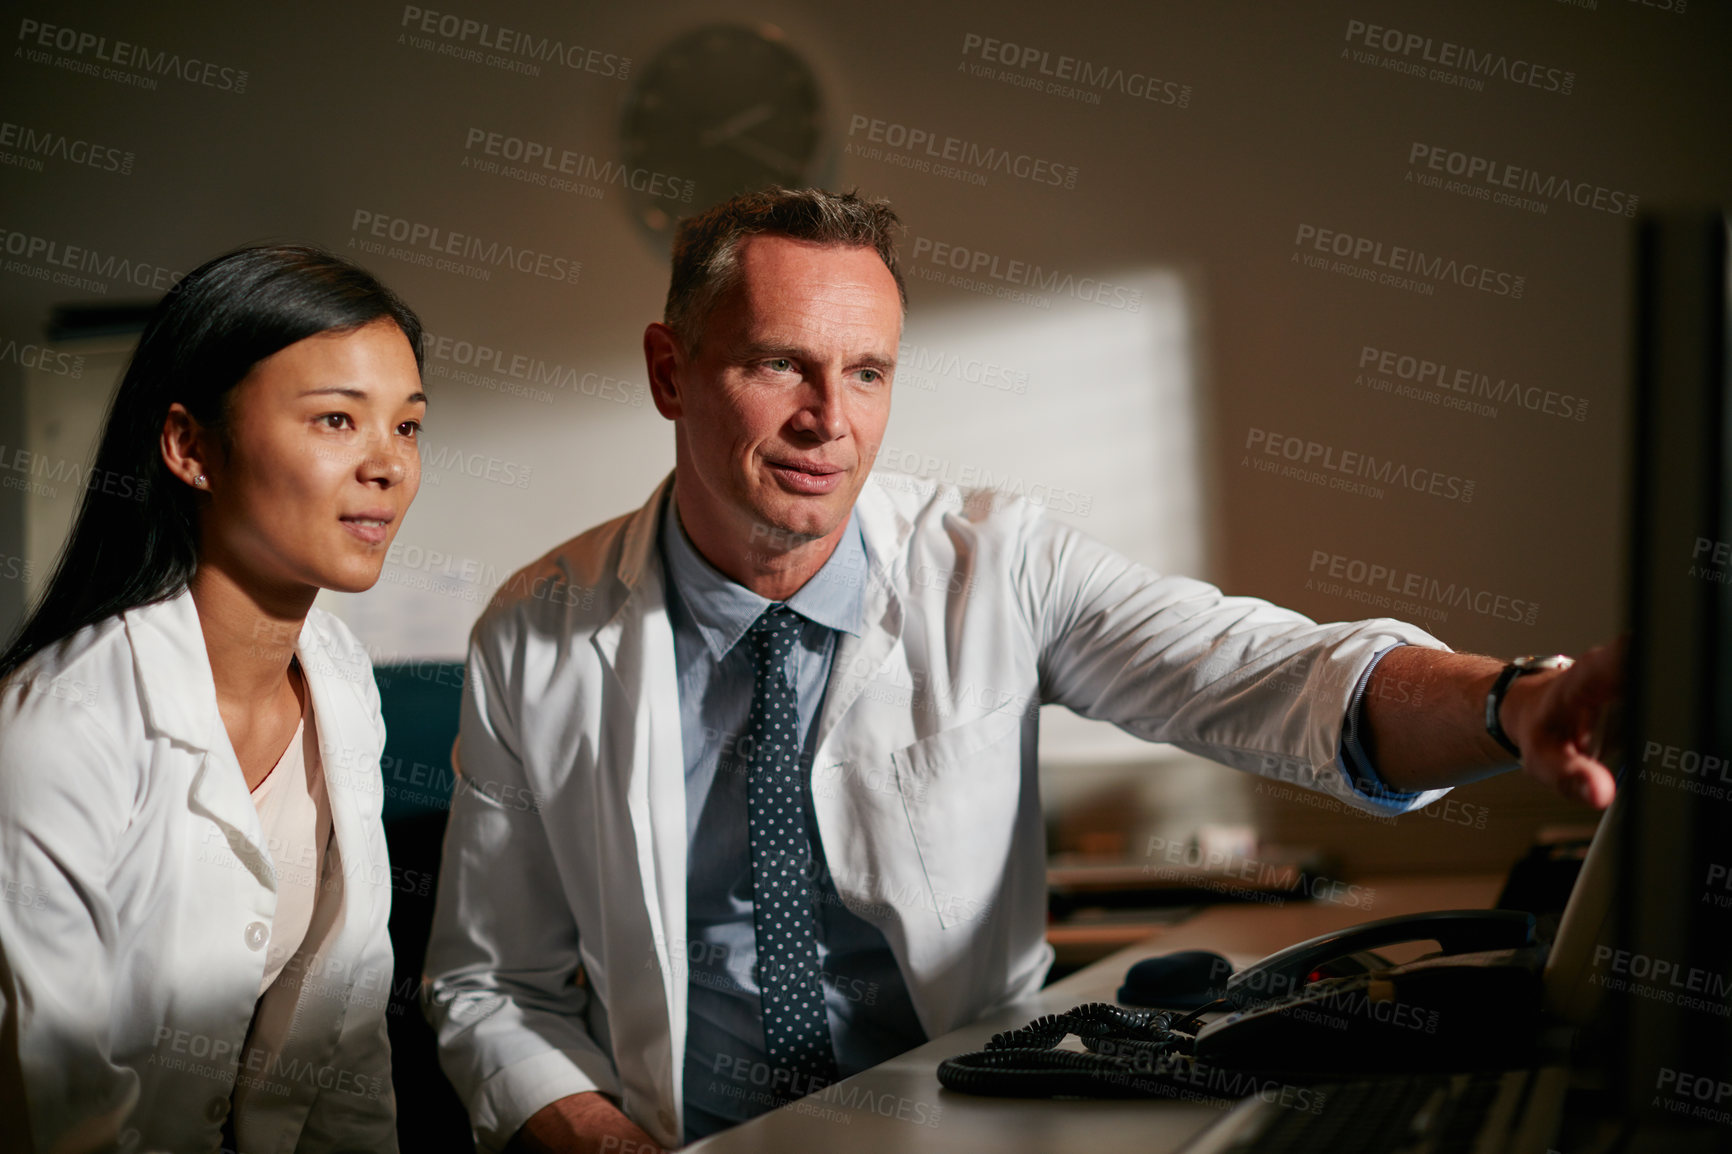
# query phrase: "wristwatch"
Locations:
[[1494, 699]]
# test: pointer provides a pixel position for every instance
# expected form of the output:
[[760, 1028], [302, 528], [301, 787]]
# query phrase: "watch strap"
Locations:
[[1494, 700]]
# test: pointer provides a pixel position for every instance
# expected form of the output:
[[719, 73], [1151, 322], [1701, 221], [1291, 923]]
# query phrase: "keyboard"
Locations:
[[1494, 1112]]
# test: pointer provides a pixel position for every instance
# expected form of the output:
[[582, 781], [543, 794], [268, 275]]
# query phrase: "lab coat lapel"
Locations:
[[860, 659], [179, 696], [341, 707], [637, 647]]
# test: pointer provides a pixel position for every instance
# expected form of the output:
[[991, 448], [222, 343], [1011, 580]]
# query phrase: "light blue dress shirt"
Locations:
[[1360, 771], [871, 1016]]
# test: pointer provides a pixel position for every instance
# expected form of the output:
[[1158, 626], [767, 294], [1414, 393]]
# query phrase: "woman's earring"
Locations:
[[199, 480]]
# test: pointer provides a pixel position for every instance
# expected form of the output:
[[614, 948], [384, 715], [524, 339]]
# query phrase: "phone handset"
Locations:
[[1456, 931]]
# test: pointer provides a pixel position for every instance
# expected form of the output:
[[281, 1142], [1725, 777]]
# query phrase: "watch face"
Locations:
[[729, 109]]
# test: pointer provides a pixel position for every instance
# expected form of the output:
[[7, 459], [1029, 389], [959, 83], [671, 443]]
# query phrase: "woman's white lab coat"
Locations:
[[136, 900]]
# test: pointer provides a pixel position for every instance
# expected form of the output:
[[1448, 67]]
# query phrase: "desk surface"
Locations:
[[900, 1106]]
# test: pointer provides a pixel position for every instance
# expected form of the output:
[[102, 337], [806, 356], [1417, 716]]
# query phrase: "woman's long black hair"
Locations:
[[135, 539]]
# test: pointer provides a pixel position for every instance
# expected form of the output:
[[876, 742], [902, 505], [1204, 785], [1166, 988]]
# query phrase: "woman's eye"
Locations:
[[410, 428], [336, 421]]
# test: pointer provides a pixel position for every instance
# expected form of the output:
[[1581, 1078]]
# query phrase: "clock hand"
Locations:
[[732, 127], [764, 154]]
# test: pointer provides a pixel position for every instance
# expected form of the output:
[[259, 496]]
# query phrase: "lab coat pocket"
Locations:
[[961, 789]]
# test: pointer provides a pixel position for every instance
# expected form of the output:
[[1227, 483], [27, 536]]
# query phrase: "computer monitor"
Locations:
[[1641, 964], [1668, 972]]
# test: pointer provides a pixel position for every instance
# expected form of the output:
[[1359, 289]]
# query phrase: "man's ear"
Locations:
[[187, 447], [664, 359]]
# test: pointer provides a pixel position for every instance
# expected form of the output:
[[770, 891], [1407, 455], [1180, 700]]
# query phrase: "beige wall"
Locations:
[[1272, 127]]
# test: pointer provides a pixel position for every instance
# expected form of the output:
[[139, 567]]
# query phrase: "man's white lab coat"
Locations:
[[138, 896], [557, 959]]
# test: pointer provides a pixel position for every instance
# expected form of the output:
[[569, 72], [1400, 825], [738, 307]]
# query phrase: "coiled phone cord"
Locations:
[[1132, 1054], [1091, 1021]]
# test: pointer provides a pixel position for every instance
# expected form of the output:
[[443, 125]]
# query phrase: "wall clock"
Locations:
[[727, 107]]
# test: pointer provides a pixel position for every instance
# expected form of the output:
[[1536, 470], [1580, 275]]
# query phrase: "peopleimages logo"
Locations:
[[545, 163], [47, 259], [921, 366], [1401, 266], [41, 474], [1513, 185], [42, 358], [509, 49], [978, 270], [1711, 560], [1455, 387], [1698, 1096], [1346, 469], [1374, 584], [433, 246], [1426, 57], [34, 145], [499, 370], [1026, 66], [437, 460], [88, 52], [925, 468], [927, 150]]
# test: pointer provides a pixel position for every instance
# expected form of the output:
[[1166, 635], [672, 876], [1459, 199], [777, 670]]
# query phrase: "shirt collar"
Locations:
[[723, 609]]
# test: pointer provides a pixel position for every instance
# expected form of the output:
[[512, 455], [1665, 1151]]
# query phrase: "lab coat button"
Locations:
[[257, 934], [216, 1109]]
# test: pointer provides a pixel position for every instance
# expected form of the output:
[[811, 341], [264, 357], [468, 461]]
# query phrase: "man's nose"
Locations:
[[823, 414]]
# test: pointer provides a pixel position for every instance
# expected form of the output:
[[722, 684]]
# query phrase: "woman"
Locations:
[[193, 942]]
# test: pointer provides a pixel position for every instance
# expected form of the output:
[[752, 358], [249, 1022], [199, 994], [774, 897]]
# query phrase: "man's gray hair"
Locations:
[[706, 254]]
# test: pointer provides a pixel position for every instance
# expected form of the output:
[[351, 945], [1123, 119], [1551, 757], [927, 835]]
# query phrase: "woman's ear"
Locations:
[[185, 445]]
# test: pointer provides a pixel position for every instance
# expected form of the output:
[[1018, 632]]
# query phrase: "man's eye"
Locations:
[[871, 376], [779, 365]]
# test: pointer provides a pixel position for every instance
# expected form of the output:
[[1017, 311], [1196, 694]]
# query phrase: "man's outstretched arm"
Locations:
[[1437, 738]]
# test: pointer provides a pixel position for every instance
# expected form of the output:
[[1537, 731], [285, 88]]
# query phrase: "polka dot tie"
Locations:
[[796, 1028]]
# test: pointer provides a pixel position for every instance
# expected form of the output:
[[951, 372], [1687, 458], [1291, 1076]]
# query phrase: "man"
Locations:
[[751, 794]]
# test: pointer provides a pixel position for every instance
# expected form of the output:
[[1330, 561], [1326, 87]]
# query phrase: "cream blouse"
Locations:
[[295, 816]]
